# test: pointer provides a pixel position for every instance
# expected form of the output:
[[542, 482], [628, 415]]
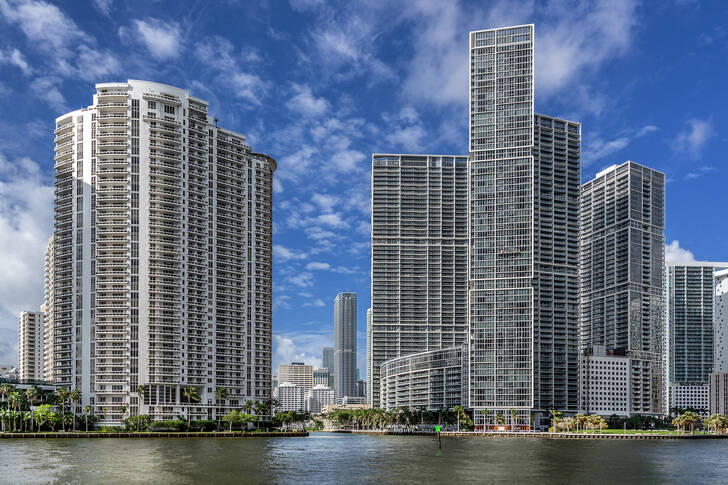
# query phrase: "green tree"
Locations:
[[555, 419], [191, 395], [6, 389], [232, 417], [15, 400], [63, 395], [248, 406], [514, 417], [27, 421], [75, 397], [499, 418], [5, 418], [220, 395], [459, 412]]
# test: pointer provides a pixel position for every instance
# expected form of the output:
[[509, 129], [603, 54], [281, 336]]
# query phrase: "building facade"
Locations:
[[690, 332], [368, 384], [345, 345], [720, 327], [321, 376], [718, 393], [47, 311], [622, 259], [523, 264], [419, 263], [296, 373], [605, 383], [30, 346], [290, 397], [162, 255], [433, 379], [318, 397]]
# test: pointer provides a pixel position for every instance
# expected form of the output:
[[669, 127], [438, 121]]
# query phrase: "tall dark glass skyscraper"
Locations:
[[345, 345]]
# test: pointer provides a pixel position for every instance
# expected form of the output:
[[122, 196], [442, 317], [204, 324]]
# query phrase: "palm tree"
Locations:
[[220, 394], [27, 420], [459, 411], [74, 396], [15, 400], [86, 410], [514, 416], [190, 393], [555, 418], [499, 418], [6, 389], [248, 406], [4, 416], [485, 413], [63, 394], [141, 391], [232, 417]]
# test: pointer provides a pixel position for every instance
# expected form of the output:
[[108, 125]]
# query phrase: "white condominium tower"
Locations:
[[296, 373], [419, 259], [523, 265], [621, 270], [344, 345], [47, 309], [162, 266], [30, 346], [720, 326]]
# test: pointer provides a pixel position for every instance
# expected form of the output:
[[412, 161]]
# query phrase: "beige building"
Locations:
[[296, 373], [30, 346]]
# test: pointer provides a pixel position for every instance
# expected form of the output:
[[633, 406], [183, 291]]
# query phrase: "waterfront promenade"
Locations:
[[520, 434]]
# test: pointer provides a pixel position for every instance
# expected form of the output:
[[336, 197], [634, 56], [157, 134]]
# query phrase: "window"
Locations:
[[169, 109], [151, 104]]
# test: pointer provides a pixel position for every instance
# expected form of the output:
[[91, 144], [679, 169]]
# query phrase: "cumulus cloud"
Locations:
[[676, 254], [283, 254], [26, 223], [47, 89], [304, 102], [694, 137], [43, 23], [299, 347], [598, 148], [316, 303], [314, 265], [302, 280], [698, 172], [162, 39]]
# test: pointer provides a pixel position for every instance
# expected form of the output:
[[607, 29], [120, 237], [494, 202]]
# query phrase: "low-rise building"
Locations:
[[321, 376], [296, 373], [605, 383], [689, 397]]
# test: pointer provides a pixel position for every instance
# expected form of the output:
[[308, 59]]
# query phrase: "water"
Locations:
[[342, 458]]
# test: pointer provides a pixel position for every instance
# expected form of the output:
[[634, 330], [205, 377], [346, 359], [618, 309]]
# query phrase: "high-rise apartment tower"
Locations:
[[162, 264], [621, 271], [523, 263], [30, 346], [419, 258]]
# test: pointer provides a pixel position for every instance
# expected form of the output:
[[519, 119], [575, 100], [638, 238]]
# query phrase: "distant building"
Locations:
[[718, 388], [368, 391], [318, 397], [604, 383], [48, 311], [345, 344], [361, 388], [296, 373], [348, 400], [30, 346], [290, 397], [328, 359], [621, 268], [349, 407], [690, 333], [720, 341], [433, 379], [321, 377]]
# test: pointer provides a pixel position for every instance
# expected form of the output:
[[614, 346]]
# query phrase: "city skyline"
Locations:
[[315, 233]]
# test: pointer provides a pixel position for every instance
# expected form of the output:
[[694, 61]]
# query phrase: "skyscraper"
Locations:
[[419, 258], [30, 346], [368, 391], [296, 373], [621, 270], [689, 333], [328, 359], [162, 266], [345, 345], [523, 194]]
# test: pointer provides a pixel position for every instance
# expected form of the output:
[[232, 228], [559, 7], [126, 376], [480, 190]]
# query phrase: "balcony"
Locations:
[[166, 98]]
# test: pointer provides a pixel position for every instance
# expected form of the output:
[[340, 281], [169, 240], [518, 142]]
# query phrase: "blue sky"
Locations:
[[320, 86]]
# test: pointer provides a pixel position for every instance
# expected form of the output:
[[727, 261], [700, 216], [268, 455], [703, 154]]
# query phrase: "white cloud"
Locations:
[[317, 303], [16, 58], [281, 301], [46, 89], [26, 223], [347, 160], [675, 254], [314, 265], [596, 149], [698, 172], [162, 39], [344, 270], [43, 23], [694, 137], [94, 65], [299, 347], [302, 5], [326, 202], [302, 280], [104, 6], [305, 103], [646, 130], [332, 220], [283, 254]]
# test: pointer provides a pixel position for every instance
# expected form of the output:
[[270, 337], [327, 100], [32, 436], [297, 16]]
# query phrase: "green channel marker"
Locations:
[[437, 428]]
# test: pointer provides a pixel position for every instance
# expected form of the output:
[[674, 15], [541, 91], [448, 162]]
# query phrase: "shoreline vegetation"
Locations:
[[154, 434], [604, 435]]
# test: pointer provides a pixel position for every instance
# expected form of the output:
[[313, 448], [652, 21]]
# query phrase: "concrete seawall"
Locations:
[[222, 434], [508, 434]]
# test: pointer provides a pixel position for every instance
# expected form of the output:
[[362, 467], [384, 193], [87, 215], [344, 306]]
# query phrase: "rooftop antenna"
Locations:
[[216, 120]]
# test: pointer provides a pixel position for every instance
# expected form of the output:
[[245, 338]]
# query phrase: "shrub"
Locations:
[[204, 425], [137, 423], [176, 425]]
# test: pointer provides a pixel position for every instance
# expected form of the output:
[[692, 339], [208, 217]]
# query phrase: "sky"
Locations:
[[320, 86]]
